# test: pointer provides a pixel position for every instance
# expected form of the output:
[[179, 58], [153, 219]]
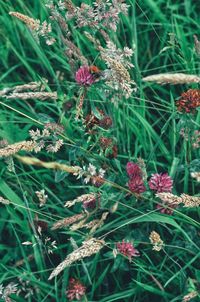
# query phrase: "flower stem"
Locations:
[[80, 104]]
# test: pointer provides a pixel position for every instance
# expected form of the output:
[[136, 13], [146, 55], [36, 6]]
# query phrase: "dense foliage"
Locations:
[[99, 150]]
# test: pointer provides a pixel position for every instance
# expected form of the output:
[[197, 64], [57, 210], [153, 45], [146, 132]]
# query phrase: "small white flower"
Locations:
[[102, 172], [35, 134], [87, 179], [27, 243], [128, 52], [45, 132], [42, 197], [92, 170], [1, 289]]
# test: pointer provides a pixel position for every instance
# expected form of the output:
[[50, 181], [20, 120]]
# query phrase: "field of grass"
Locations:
[[147, 129]]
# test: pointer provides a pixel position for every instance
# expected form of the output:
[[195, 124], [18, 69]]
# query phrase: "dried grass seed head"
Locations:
[[88, 248]]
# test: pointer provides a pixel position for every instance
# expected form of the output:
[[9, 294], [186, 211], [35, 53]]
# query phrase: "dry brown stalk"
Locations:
[[75, 170], [67, 221], [157, 282], [49, 165], [88, 248], [172, 78], [14, 148]]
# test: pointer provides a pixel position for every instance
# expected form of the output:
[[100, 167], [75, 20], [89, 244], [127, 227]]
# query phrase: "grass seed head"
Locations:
[[88, 248]]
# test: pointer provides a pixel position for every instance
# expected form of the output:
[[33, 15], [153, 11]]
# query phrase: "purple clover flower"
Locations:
[[127, 249], [84, 76], [161, 183]]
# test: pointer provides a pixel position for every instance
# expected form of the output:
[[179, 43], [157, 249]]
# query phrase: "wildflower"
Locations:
[[8, 290], [161, 182], [91, 169], [53, 148], [50, 132], [118, 76], [88, 248], [90, 174], [136, 185], [102, 120], [108, 146], [196, 175], [84, 76], [166, 209], [89, 204], [127, 249], [50, 245], [106, 122], [133, 169], [189, 101], [156, 241], [42, 197], [101, 172], [118, 61], [91, 121], [97, 181], [104, 14], [26, 289], [76, 290]]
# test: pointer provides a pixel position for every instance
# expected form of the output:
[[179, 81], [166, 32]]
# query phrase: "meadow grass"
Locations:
[[146, 125]]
